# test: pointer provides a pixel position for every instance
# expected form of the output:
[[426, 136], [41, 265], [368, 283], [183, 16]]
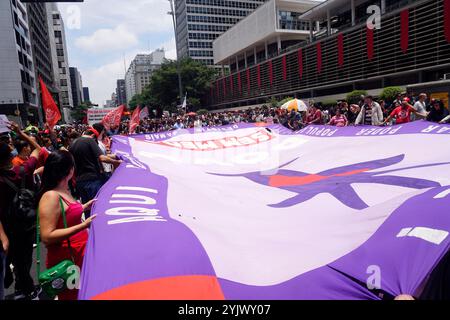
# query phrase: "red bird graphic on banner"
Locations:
[[51, 110]]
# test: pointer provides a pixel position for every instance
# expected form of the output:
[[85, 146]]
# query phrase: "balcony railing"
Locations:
[[293, 25]]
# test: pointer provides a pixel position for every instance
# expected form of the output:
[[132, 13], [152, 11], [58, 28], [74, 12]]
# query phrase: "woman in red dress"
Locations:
[[58, 171]]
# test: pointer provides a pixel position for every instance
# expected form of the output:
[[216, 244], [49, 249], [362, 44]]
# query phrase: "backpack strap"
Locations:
[[11, 184], [22, 177]]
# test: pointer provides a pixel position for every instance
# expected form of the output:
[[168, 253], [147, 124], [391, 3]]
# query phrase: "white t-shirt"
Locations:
[[107, 167], [420, 107]]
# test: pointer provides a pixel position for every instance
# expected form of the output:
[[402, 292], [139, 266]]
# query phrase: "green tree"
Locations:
[[390, 93], [354, 96], [272, 102], [202, 111], [163, 89], [78, 113], [327, 104]]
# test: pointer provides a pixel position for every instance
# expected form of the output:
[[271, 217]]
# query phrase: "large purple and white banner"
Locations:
[[255, 212]]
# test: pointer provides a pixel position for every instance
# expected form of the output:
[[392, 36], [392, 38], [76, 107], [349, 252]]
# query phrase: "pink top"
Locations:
[[339, 121], [60, 251]]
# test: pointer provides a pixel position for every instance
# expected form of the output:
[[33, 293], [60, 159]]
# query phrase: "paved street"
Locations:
[[9, 292]]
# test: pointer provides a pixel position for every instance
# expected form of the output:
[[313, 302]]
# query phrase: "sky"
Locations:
[[103, 34]]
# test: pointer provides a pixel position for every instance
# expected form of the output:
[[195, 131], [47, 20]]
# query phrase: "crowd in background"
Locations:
[[367, 112], [50, 172]]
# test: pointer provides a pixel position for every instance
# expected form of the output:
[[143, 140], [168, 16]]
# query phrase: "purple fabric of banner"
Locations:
[[369, 223]]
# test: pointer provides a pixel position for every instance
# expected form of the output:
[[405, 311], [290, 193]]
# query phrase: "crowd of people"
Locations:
[[54, 174], [367, 112]]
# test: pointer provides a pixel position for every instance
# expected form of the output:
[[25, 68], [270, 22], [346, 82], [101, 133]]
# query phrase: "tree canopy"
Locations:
[[163, 89], [79, 112]]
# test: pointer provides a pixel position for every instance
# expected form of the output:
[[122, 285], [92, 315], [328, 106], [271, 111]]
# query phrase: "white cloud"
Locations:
[[170, 49], [108, 30], [141, 16], [106, 40], [102, 80]]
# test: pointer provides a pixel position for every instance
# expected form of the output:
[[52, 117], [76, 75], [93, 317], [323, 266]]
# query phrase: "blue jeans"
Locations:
[[88, 190], [2, 273]]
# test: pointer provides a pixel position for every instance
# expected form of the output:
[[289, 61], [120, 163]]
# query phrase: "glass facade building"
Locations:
[[200, 22]]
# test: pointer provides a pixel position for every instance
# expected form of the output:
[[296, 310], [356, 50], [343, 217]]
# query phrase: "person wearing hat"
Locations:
[[403, 113], [88, 159]]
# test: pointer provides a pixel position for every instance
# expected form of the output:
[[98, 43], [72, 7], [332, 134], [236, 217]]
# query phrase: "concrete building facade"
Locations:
[[200, 22], [140, 71], [40, 42], [60, 59], [18, 92], [341, 53]]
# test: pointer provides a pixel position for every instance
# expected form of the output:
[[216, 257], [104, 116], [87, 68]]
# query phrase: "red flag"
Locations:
[[369, 43], [284, 67], [239, 82], [248, 80], [224, 87], [404, 30], [270, 71], [51, 110], [134, 122], [300, 62], [231, 84], [144, 113], [258, 75], [113, 117], [319, 57], [447, 20], [340, 40]]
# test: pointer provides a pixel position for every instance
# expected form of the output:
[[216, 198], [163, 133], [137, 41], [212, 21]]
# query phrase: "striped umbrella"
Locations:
[[296, 104]]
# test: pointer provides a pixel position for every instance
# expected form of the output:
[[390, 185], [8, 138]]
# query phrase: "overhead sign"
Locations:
[[96, 115]]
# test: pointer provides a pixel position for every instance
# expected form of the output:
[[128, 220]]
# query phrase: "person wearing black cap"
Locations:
[[88, 159]]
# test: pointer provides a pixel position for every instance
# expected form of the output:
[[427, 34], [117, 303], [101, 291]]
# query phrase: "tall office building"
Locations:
[[40, 42], [86, 95], [77, 86], [121, 92], [200, 22], [140, 71], [60, 61], [18, 93]]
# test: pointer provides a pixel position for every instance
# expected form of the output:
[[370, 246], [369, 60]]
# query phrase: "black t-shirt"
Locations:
[[86, 153]]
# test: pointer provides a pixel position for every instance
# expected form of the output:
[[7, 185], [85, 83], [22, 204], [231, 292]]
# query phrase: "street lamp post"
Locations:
[[180, 86]]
